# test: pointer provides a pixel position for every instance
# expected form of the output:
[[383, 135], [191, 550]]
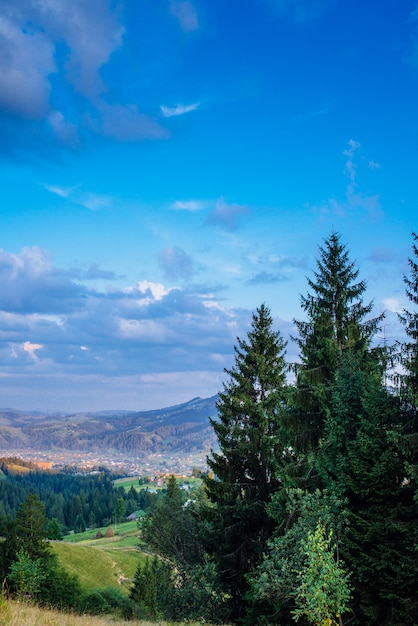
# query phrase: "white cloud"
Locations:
[[94, 201], [179, 109], [29, 31], [31, 349], [349, 164], [56, 42], [157, 289], [185, 13], [74, 334], [189, 205], [86, 199], [392, 304], [148, 331], [91, 31], [63, 192]]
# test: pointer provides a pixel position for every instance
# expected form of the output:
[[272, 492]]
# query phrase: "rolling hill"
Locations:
[[179, 429]]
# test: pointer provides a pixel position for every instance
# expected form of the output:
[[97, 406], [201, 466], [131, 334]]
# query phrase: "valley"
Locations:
[[172, 439]]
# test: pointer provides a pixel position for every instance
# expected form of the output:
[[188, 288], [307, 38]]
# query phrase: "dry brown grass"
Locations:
[[17, 614]]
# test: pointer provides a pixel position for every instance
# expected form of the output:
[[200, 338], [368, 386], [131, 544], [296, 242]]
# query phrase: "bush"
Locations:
[[60, 589], [108, 600], [95, 604]]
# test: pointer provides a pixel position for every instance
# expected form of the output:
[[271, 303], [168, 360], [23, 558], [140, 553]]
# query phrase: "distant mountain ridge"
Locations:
[[179, 429]]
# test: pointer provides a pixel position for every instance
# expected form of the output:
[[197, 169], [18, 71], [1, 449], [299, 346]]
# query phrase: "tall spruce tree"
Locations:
[[31, 529], [409, 362], [360, 460], [336, 321], [171, 527], [252, 441]]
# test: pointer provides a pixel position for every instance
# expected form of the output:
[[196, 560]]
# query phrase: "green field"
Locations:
[[130, 481], [105, 562], [123, 530]]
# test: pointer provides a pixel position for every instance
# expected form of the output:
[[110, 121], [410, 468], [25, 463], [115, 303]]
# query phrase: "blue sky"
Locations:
[[168, 165]]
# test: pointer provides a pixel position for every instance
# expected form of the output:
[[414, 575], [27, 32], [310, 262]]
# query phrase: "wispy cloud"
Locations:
[[189, 205], [350, 165], [125, 123], [176, 263], [76, 195], [63, 192], [185, 13], [94, 201], [266, 278], [179, 109], [227, 216], [273, 268], [354, 200]]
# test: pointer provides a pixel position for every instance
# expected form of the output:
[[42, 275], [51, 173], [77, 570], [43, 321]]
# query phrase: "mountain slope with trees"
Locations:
[[179, 429]]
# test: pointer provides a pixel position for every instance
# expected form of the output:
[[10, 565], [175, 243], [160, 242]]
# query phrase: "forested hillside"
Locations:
[[179, 429], [67, 495], [309, 511]]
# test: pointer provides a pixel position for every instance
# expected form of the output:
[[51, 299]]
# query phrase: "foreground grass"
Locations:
[[17, 614]]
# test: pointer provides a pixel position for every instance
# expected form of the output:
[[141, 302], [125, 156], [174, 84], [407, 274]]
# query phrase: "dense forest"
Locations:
[[68, 496], [309, 511]]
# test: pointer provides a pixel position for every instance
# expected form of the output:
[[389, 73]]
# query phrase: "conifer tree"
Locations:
[[171, 527], [409, 362], [31, 529], [152, 586], [252, 441], [336, 321], [360, 460]]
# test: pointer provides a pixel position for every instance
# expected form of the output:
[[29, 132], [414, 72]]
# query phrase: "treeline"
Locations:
[[309, 513], [73, 500]]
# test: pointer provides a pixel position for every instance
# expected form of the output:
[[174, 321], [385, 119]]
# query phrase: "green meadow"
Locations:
[[104, 562]]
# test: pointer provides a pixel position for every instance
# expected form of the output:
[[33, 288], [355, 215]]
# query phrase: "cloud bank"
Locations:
[[53, 326], [53, 52]]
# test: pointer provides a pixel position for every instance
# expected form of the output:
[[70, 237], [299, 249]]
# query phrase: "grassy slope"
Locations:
[[106, 562], [16, 614]]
